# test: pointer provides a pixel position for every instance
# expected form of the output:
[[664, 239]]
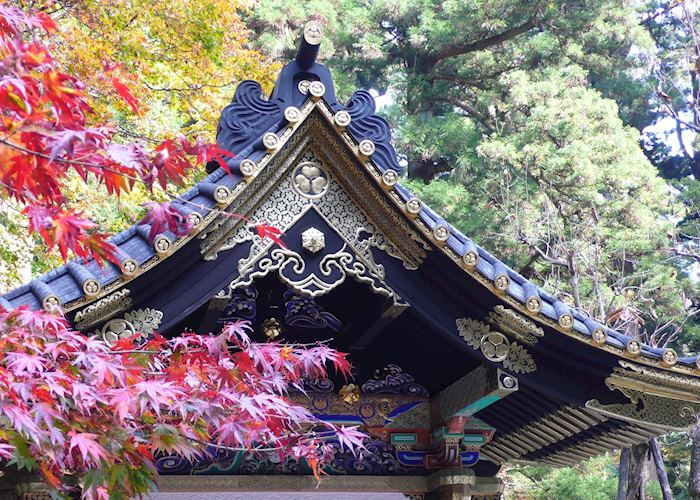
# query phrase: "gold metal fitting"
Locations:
[[350, 394], [270, 140], [91, 287], [441, 232], [390, 177], [669, 357], [566, 321], [272, 328], [599, 336], [161, 244], [317, 89], [495, 346], [502, 282], [129, 266], [292, 114], [247, 167], [222, 193], [633, 348], [195, 219], [533, 304], [50, 302], [313, 32], [470, 258], [366, 147], [342, 118], [414, 206], [303, 86]]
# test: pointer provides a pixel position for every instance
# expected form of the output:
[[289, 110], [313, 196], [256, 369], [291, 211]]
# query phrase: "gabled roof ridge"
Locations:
[[251, 126]]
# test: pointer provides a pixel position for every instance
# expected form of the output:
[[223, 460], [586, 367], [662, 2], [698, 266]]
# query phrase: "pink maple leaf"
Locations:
[[162, 217], [90, 450], [350, 438]]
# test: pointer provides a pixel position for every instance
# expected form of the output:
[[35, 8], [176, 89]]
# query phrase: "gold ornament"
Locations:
[[272, 328], [350, 393]]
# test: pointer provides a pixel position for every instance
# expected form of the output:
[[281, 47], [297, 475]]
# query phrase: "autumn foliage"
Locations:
[[90, 415], [46, 137]]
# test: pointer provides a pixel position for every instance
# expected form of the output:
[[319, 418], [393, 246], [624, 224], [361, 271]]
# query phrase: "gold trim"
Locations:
[[270, 140], [366, 148], [412, 211], [292, 114], [91, 287]]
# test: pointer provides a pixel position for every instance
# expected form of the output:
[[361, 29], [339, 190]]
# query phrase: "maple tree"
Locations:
[[60, 390], [46, 138]]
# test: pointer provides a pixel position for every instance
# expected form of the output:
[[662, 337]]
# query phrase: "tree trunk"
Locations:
[[638, 460], [624, 474], [660, 469], [694, 481]]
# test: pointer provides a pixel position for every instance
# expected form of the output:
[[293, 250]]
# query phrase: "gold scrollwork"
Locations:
[[649, 409], [139, 321], [478, 335], [333, 270], [657, 397], [103, 309], [512, 323]]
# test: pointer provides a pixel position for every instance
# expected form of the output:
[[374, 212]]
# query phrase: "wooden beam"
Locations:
[[475, 391]]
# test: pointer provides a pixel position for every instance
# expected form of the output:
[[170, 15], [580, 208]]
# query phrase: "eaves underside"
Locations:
[[208, 202]]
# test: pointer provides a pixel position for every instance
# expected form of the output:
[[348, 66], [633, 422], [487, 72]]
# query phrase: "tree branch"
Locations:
[[484, 43], [467, 108]]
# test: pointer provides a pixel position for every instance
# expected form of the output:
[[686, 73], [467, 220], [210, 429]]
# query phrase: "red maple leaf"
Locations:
[[125, 94], [171, 163], [162, 217], [267, 231]]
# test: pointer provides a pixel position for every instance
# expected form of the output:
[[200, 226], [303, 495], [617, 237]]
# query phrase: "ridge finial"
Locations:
[[310, 42]]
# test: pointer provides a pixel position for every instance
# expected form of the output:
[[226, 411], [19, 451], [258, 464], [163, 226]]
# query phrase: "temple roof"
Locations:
[[252, 126], [583, 387]]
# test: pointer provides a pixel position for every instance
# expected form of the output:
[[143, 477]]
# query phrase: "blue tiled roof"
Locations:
[[243, 124]]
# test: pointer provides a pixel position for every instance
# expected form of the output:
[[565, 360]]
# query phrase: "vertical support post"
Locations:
[[623, 474], [660, 469]]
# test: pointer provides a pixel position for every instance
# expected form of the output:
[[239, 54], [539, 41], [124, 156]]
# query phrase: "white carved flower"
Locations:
[[519, 360], [472, 331]]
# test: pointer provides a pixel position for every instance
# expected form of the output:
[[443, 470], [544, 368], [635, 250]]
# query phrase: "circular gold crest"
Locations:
[[502, 282], [303, 86], [634, 348], [313, 32], [441, 232], [366, 147], [470, 258], [669, 357], [533, 304], [292, 114], [310, 179], [270, 140], [91, 287], [50, 302], [129, 266], [390, 177], [342, 118], [599, 336], [566, 321], [247, 167], [495, 346], [317, 89], [414, 206]]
